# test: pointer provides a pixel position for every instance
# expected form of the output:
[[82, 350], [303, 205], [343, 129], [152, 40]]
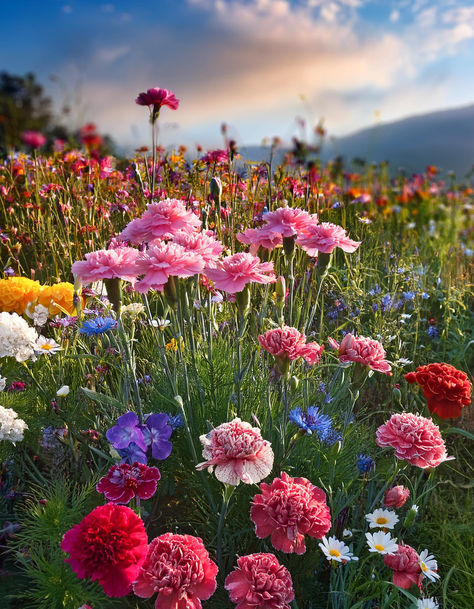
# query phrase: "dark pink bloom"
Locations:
[[363, 350], [161, 220], [215, 156], [288, 343], [107, 264], [33, 139], [260, 582], [109, 545], [124, 482], [234, 272], [405, 564], [157, 98], [414, 438], [178, 567], [238, 452], [159, 262], [324, 238], [396, 496], [260, 237], [289, 509], [289, 221], [206, 246]]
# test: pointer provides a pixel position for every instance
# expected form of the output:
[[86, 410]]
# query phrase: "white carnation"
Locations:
[[3, 382], [17, 339], [11, 428], [39, 314]]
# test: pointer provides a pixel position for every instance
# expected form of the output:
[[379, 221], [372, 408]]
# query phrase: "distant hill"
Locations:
[[444, 139]]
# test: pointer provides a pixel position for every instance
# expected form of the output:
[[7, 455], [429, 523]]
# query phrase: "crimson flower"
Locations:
[[396, 496], [405, 564], [109, 545], [124, 481], [157, 98]]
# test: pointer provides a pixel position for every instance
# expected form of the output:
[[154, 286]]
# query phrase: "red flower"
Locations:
[[109, 545], [289, 509], [396, 496], [447, 390], [124, 481], [33, 139], [405, 564], [178, 567], [287, 343], [260, 582], [158, 98]]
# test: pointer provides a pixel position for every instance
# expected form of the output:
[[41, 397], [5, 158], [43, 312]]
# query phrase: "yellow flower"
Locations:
[[58, 298], [173, 344], [16, 293]]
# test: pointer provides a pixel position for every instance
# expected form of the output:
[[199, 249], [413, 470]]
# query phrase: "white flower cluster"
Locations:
[[39, 314], [17, 338], [11, 428], [3, 382], [133, 309]]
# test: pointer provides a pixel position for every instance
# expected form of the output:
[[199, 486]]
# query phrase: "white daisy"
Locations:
[[380, 518], [429, 566], [63, 391], [46, 345], [336, 550], [160, 323], [347, 533], [381, 542], [427, 603]]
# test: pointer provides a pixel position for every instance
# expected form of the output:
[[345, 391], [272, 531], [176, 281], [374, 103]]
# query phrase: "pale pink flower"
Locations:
[[238, 452], [287, 342], [233, 273], [363, 350], [164, 260], [108, 264], [289, 221], [157, 98], [414, 438], [161, 220], [206, 246], [324, 238], [260, 237]]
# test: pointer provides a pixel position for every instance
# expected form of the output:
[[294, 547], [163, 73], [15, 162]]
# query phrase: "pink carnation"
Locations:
[[260, 237], [157, 98], [234, 272], [165, 260], [107, 264], [238, 452], [178, 567], [289, 509], [324, 238], [202, 244], [289, 221], [260, 582], [396, 496], [287, 342], [414, 438], [363, 350], [123, 482], [215, 156], [405, 564], [35, 139], [161, 220]]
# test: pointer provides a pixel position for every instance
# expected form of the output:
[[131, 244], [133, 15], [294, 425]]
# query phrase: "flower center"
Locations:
[[378, 547], [335, 553], [381, 520], [423, 566]]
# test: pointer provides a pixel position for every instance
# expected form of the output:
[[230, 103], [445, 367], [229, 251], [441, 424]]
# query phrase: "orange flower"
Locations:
[[16, 293], [58, 298]]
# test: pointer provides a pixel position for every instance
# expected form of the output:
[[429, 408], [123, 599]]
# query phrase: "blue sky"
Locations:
[[256, 65]]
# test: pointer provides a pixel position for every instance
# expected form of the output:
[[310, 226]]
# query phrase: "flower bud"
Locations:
[[294, 382], [215, 190], [396, 496], [280, 289], [410, 517]]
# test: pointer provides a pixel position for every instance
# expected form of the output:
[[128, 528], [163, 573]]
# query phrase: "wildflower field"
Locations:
[[232, 384]]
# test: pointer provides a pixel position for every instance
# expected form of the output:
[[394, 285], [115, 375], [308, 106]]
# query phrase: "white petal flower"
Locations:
[[63, 391], [3, 382], [17, 338], [336, 550], [426, 603], [11, 428], [381, 542], [381, 518], [429, 566], [46, 345]]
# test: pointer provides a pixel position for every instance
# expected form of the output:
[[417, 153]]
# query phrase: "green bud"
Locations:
[[294, 382]]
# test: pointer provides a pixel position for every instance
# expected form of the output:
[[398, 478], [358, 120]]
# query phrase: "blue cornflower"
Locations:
[[374, 307], [312, 420], [433, 332], [336, 205], [425, 296], [330, 437], [365, 464], [176, 421], [386, 302], [91, 327], [9, 272], [408, 295]]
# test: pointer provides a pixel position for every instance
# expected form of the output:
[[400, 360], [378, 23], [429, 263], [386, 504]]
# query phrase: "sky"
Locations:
[[260, 66]]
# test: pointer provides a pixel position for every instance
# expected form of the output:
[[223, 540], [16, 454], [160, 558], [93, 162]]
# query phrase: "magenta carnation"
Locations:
[[289, 509], [107, 264], [414, 438], [324, 238], [109, 545], [289, 343], [289, 221], [260, 582], [234, 272], [35, 139], [238, 452], [157, 98], [123, 482], [178, 567], [405, 564], [362, 350]]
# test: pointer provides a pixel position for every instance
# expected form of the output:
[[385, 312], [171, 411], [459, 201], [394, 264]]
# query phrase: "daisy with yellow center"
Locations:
[[381, 543], [336, 550], [429, 566], [46, 345], [385, 519], [427, 603]]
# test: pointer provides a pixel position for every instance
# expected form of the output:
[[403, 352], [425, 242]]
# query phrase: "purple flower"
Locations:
[[132, 453], [157, 431], [125, 432]]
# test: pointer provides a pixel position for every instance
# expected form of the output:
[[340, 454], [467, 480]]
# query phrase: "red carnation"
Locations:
[[124, 481], [447, 390], [405, 564], [289, 509], [178, 567], [260, 582], [109, 545], [396, 496]]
